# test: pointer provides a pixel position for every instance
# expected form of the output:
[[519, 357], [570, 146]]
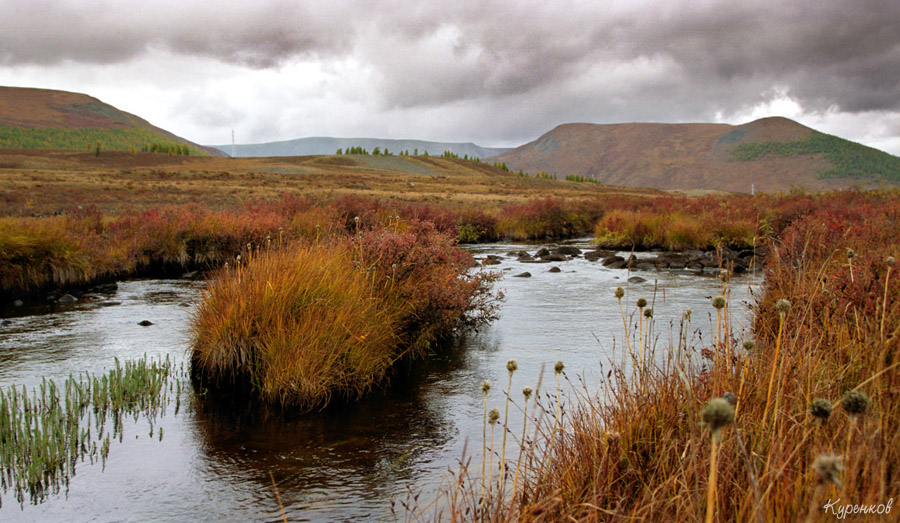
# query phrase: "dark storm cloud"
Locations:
[[258, 35], [512, 68]]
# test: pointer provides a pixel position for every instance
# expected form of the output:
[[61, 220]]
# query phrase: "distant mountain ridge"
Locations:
[[770, 154], [319, 145], [50, 119]]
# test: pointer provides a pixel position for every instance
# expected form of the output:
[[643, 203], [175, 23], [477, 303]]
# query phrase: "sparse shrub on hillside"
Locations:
[[849, 159]]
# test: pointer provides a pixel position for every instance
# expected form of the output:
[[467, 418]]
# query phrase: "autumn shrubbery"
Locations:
[[299, 325], [543, 218]]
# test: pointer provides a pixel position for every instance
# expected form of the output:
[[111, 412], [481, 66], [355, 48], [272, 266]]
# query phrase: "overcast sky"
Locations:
[[492, 72]]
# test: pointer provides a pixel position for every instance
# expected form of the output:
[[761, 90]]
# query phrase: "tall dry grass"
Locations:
[[642, 451], [297, 326]]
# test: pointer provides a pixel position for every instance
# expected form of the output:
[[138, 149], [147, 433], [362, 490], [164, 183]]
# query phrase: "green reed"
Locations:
[[46, 432]]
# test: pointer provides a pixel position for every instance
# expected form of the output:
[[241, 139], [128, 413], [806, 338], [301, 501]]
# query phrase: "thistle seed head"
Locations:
[[493, 415], [719, 302], [558, 368], [717, 414], [687, 314], [782, 305], [512, 366], [648, 313], [850, 254], [855, 402], [820, 409], [620, 292], [526, 392], [889, 261], [828, 469], [641, 303], [749, 345], [485, 387]]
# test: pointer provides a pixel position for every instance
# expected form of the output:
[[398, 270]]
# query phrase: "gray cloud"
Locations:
[[260, 35], [512, 68]]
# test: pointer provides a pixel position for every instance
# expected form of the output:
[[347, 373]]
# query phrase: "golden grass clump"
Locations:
[[299, 325]]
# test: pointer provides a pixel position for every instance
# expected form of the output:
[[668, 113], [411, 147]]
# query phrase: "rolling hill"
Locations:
[[770, 154], [49, 119], [326, 145]]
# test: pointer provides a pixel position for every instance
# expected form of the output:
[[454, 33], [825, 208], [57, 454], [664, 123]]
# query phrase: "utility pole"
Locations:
[[232, 143]]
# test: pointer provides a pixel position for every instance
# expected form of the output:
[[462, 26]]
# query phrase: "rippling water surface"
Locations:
[[345, 463]]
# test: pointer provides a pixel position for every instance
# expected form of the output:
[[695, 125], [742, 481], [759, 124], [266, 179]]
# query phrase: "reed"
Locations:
[[45, 432]]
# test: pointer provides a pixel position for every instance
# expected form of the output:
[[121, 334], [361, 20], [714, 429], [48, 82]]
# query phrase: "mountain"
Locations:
[[325, 145], [48, 119], [770, 154]]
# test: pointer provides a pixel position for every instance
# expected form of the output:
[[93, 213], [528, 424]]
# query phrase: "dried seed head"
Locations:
[[641, 303], [889, 261], [526, 392], [356, 219], [485, 386], [648, 313], [717, 413], [730, 398], [512, 366], [749, 345], [782, 305], [850, 254], [820, 409], [719, 302], [828, 469], [687, 314], [493, 415], [620, 292], [612, 436], [558, 368], [855, 402]]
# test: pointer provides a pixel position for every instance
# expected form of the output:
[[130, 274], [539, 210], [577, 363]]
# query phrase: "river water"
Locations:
[[348, 462]]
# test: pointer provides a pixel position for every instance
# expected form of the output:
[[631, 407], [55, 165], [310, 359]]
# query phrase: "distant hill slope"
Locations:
[[326, 145], [770, 154], [48, 119]]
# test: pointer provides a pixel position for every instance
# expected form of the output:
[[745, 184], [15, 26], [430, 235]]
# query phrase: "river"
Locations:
[[348, 462]]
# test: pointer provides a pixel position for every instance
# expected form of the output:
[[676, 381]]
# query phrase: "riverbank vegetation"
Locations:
[[801, 412], [84, 245]]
